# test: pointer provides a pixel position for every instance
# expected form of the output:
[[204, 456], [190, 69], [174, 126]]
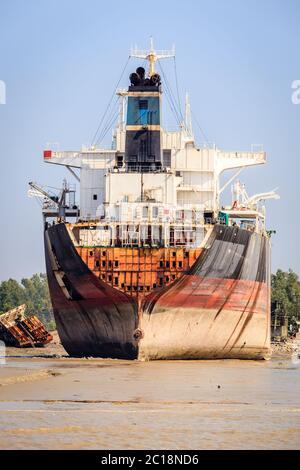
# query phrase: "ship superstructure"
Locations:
[[149, 219]]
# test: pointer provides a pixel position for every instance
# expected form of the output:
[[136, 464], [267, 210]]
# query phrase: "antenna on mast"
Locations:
[[188, 117], [152, 55]]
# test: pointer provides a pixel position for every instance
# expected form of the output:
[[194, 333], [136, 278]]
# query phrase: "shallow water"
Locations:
[[101, 404]]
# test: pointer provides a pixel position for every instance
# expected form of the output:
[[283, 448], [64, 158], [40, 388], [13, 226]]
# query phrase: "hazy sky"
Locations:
[[60, 60]]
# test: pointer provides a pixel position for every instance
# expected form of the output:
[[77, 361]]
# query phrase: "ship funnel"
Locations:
[[155, 79], [141, 72], [137, 78], [134, 79]]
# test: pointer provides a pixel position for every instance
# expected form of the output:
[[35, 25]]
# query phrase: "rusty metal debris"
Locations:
[[20, 331]]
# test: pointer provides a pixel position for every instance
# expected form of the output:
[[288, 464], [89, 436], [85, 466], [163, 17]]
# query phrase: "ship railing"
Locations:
[[196, 187], [138, 169], [61, 154], [246, 225], [185, 223], [206, 145], [257, 155]]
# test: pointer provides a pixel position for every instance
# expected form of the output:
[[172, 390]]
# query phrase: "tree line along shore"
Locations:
[[34, 293]]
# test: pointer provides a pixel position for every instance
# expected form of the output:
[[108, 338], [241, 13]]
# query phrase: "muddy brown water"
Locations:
[[65, 403]]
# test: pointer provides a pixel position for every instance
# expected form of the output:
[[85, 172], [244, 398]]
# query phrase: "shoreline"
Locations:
[[64, 403], [56, 350]]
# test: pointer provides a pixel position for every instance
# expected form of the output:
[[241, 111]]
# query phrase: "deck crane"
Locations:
[[56, 206]]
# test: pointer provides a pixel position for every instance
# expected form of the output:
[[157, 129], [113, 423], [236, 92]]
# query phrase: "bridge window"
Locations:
[[143, 104], [143, 111], [154, 212], [167, 158]]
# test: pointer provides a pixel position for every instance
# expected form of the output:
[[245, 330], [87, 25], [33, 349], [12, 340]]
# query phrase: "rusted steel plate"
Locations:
[[20, 331]]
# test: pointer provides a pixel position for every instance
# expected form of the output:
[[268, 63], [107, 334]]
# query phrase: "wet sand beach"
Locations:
[[65, 403]]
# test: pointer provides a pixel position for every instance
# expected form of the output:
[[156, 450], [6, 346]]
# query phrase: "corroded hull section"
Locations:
[[138, 271], [92, 318], [218, 308]]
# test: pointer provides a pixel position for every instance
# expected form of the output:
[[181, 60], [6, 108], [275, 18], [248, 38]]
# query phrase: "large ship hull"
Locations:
[[218, 308], [92, 318]]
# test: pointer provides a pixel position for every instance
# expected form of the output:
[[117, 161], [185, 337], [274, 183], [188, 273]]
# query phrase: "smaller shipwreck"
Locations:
[[20, 331]]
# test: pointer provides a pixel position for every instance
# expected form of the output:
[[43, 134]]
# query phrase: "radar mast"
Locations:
[[152, 56]]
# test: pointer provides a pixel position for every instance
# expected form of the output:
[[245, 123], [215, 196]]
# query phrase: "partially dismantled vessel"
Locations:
[[19, 330]]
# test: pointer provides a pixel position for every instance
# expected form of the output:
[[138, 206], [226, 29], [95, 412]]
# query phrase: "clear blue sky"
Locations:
[[60, 60]]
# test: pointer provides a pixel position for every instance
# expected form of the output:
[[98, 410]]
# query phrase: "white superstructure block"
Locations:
[[92, 192], [134, 187]]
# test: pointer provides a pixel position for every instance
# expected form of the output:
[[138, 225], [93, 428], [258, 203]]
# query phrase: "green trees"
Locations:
[[33, 292], [286, 291], [11, 295]]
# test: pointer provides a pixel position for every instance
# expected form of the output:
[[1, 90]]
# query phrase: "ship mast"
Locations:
[[152, 56]]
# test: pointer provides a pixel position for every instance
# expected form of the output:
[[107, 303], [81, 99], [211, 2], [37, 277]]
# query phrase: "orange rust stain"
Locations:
[[138, 271]]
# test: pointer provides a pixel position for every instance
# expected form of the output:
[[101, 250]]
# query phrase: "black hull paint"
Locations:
[[219, 308], [92, 318]]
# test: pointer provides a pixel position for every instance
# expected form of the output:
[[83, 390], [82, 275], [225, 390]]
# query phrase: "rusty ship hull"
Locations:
[[219, 307], [151, 263]]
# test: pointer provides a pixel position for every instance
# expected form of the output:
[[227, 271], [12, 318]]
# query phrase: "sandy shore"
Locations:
[[53, 349], [56, 350], [52, 401]]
